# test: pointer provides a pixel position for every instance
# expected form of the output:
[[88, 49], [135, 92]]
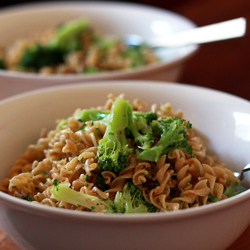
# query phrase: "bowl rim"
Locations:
[[124, 218], [53, 5]]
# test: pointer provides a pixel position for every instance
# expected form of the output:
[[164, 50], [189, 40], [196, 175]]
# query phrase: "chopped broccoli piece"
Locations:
[[38, 56], [83, 127], [61, 124], [63, 192], [131, 200], [212, 198], [113, 147], [170, 133], [233, 189], [91, 70], [138, 124], [28, 197], [143, 120], [67, 35], [135, 53]]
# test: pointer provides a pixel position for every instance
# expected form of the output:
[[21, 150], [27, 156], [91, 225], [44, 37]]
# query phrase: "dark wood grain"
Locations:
[[222, 65]]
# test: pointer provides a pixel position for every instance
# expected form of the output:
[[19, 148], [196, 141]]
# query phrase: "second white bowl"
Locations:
[[106, 18]]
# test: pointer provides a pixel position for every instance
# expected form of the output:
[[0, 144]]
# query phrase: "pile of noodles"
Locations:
[[76, 62], [68, 154]]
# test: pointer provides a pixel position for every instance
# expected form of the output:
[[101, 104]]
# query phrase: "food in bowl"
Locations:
[[119, 158], [220, 120], [106, 18], [73, 47]]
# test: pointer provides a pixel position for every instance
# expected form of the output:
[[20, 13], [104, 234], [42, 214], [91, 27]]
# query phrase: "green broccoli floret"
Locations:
[[28, 197], [67, 35], [212, 198], [63, 192], [131, 200], [233, 189], [113, 148], [170, 133], [148, 116], [38, 56], [67, 38], [139, 124], [143, 120]]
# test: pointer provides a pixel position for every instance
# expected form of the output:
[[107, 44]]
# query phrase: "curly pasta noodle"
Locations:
[[69, 154]]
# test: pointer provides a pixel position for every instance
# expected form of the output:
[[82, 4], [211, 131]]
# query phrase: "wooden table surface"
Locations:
[[222, 65]]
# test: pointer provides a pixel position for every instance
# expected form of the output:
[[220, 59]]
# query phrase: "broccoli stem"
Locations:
[[118, 121], [132, 126], [119, 115], [67, 36], [63, 192], [113, 147]]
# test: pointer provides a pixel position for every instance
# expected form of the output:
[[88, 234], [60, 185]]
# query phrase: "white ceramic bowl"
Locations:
[[106, 18], [222, 119]]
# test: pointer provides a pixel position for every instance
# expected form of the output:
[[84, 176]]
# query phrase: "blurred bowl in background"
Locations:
[[105, 18], [222, 120]]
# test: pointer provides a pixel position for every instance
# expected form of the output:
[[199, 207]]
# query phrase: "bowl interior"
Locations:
[[222, 120]]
